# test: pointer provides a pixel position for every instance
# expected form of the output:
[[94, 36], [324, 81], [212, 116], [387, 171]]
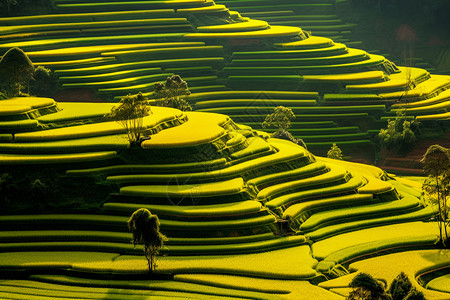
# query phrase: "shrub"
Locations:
[[16, 71], [130, 113], [280, 118], [335, 152], [172, 93], [145, 229], [44, 82], [398, 134], [400, 287], [366, 287]]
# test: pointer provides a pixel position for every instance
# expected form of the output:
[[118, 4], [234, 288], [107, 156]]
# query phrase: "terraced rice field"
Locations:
[[246, 216], [120, 47]]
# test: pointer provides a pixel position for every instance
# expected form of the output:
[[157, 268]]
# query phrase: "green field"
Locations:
[[246, 215]]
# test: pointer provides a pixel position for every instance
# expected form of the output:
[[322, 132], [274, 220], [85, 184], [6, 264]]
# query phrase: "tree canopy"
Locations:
[[280, 118], [16, 71], [172, 93], [145, 229], [130, 113]]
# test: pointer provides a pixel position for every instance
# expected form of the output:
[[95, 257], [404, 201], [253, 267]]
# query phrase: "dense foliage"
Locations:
[[436, 189], [44, 82], [172, 93], [280, 118], [145, 229], [400, 287], [399, 134], [368, 288], [335, 152], [130, 113], [21, 7], [16, 71]]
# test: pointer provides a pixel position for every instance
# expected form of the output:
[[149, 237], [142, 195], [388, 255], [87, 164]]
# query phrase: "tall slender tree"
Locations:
[[145, 229], [436, 164]]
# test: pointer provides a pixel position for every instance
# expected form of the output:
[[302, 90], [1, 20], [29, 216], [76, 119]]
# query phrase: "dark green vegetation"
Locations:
[[172, 93], [16, 71], [436, 164], [366, 287], [145, 229], [130, 113]]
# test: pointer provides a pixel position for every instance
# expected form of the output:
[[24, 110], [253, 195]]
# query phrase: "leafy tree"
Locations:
[[145, 229], [436, 164], [16, 71], [400, 287], [335, 152], [280, 118], [366, 287], [130, 113], [44, 82], [399, 133], [172, 93]]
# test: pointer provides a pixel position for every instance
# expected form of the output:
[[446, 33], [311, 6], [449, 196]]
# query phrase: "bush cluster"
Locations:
[[366, 287]]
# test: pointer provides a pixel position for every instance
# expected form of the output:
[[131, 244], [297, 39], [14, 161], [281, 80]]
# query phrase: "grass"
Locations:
[[273, 31], [274, 191], [207, 165], [294, 289], [228, 187], [250, 25], [328, 246], [365, 212], [357, 252], [201, 129], [441, 284], [413, 263], [419, 215], [207, 211], [271, 264], [31, 159], [61, 147], [76, 111], [300, 212], [336, 49], [85, 25], [352, 56], [287, 200]]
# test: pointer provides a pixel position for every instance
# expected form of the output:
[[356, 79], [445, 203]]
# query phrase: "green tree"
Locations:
[[172, 93], [400, 287], [366, 287], [16, 71], [130, 113], [335, 152], [399, 133], [280, 118], [43, 83], [145, 229], [436, 164]]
